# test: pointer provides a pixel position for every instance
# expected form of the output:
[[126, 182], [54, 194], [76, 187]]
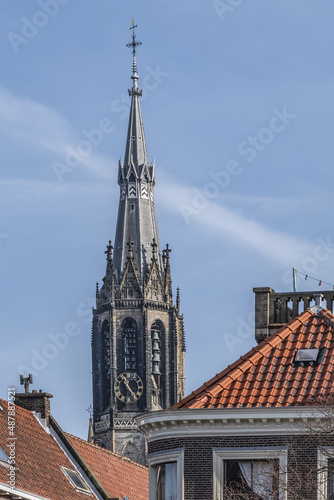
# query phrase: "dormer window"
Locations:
[[309, 357], [76, 480]]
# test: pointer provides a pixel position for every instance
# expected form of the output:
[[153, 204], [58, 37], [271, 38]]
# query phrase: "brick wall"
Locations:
[[198, 464]]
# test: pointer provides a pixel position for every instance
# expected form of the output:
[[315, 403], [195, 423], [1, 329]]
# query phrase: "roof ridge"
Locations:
[[71, 436]]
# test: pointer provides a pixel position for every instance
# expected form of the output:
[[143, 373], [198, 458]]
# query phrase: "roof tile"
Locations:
[[266, 376]]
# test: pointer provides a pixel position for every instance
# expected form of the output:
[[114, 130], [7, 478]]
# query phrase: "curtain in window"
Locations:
[[259, 475], [171, 481], [166, 476]]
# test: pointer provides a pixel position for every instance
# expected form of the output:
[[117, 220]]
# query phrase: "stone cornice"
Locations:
[[164, 424]]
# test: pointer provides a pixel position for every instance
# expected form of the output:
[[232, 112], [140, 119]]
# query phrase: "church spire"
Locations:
[[136, 178], [137, 331], [135, 151]]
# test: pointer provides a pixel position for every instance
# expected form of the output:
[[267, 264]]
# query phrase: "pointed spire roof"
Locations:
[[135, 151], [90, 431], [136, 178]]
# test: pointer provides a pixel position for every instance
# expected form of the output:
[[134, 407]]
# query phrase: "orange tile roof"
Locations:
[[118, 475], [265, 376], [38, 457]]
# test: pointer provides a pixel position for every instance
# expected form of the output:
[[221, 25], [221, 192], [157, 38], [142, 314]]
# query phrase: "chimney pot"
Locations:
[[34, 391]]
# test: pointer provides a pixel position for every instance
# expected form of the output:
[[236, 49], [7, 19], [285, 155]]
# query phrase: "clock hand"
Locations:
[[127, 385]]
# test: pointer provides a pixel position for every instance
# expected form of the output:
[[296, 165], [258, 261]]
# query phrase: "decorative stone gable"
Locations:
[[130, 287], [154, 286]]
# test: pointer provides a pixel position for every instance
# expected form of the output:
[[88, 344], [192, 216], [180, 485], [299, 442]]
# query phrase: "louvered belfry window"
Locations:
[[130, 344]]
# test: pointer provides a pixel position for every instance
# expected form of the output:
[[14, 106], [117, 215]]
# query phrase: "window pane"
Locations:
[[330, 493], [250, 480], [166, 481]]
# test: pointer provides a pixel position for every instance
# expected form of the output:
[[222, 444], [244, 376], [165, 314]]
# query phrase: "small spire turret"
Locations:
[[108, 252], [168, 276]]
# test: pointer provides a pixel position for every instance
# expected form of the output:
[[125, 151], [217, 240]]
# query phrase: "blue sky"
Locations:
[[238, 111]]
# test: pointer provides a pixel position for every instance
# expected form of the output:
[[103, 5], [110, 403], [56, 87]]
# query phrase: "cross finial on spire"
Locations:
[[130, 245], [90, 411], [134, 44]]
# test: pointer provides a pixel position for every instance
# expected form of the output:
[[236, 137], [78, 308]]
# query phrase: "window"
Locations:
[[3, 457], [166, 481], [325, 480], [307, 355], [156, 348], [249, 473], [166, 475], [76, 480], [330, 481], [130, 344], [251, 479]]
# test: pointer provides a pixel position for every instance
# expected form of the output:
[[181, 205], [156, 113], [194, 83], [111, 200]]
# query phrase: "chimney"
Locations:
[[38, 402]]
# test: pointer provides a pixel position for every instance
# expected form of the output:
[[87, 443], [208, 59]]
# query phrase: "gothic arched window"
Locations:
[[130, 344], [106, 363], [156, 339]]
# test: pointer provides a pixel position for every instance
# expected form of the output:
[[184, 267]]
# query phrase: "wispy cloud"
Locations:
[[44, 128], [278, 246], [22, 196]]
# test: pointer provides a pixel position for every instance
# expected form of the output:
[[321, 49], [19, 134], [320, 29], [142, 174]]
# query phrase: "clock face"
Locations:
[[128, 387]]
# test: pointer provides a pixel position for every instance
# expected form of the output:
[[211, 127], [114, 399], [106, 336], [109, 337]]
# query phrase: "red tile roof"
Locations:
[[266, 376], [38, 457], [118, 475]]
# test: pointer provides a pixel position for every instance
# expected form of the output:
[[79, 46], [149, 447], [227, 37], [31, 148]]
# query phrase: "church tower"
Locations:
[[138, 343]]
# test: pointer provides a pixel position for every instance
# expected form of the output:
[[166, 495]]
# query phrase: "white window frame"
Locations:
[[270, 453], [164, 457], [87, 491], [324, 454]]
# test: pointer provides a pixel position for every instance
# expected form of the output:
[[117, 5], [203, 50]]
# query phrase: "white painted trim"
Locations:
[[41, 421], [176, 455], [4, 488], [221, 454], [324, 454], [271, 421]]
